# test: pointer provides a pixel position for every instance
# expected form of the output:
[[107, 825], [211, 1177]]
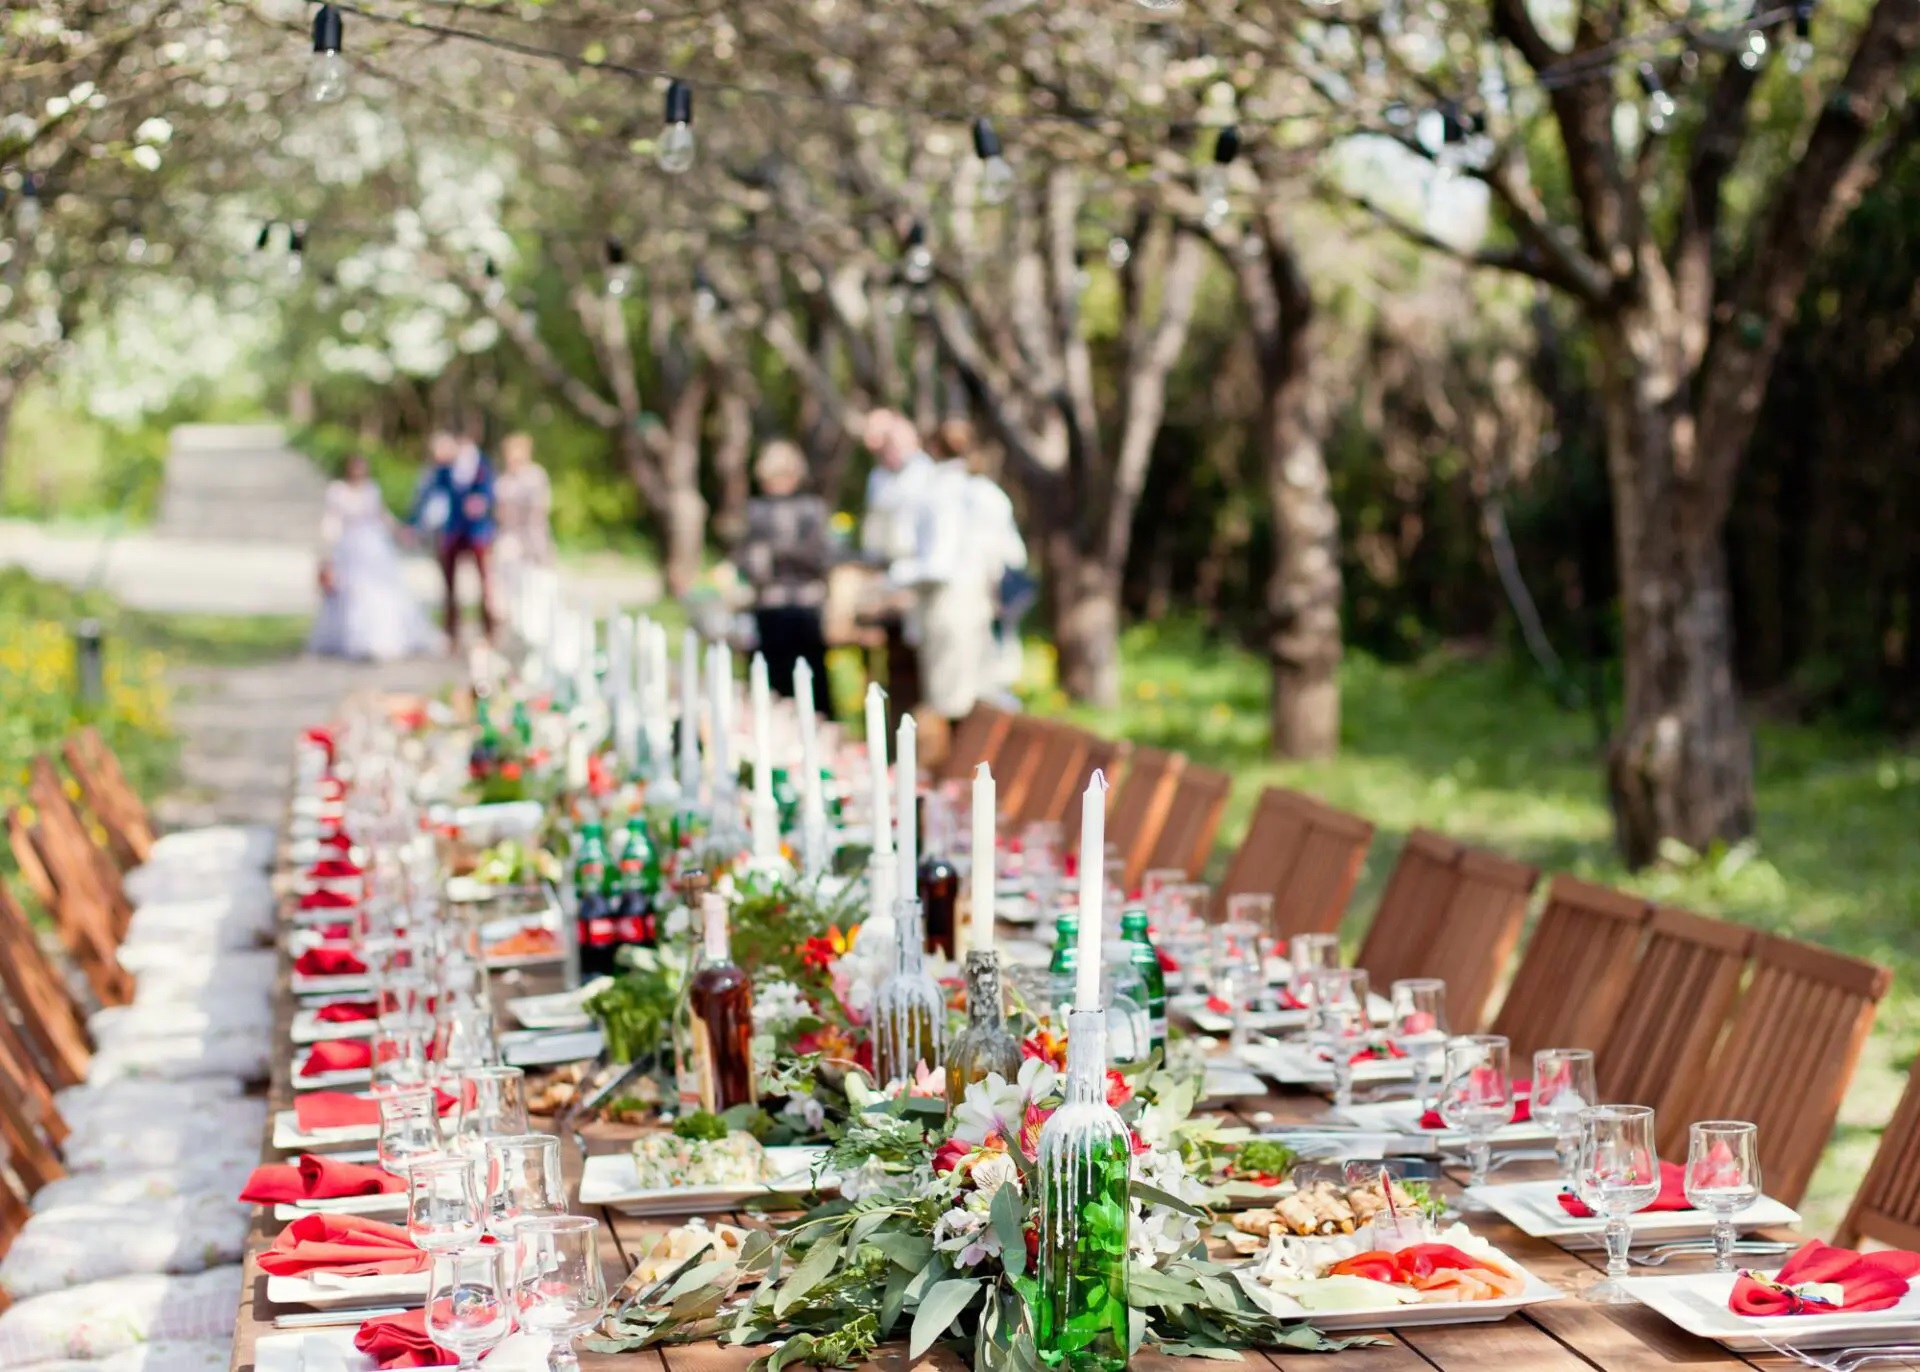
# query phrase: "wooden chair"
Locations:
[[1576, 971], [1886, 1208], [1057, 775], [49, 1017], [119, 807], [975, 740], [1305, 854], [29, 1153], [1450, 912], [36, 1088], [1788, 1057], [83, 909], [1193, 819], [1108, 757], [26, 856], [1013, 764], [1138, 808], [1671, 1019]]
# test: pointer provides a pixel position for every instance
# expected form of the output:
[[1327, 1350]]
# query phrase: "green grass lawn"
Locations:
[[1478, 748]]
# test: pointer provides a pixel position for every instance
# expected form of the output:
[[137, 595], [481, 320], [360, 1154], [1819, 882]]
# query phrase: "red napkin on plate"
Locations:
[[326, 961], [328, 900], [337, 1055], [337, 840], [314, 1110], [310, 1177], [345, 1012], [334, 869], [1866, 1282], [1673, 1194], [396, 1341], [345, 1245], [1522, 1107]]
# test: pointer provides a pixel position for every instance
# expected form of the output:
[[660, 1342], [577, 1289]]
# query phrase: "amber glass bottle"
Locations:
[[720, 997]]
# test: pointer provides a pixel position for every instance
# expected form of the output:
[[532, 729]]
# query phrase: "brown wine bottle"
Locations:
[[720, 998], [940, 899]]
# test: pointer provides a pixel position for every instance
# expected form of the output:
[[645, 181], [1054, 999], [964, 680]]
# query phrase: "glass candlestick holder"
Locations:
[[985, 1046], [909, 1013]]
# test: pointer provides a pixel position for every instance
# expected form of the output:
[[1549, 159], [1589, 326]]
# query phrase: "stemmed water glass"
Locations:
[[1616, 1174], [1418, 1028], [1040, 863], [1563, 1088], [523, 1181], [558, 1288], [1476, 1098], [443, 1203], [470, 1300], [1723, 1178], [1306, 955], [1340, 1024], [409, 1127], [1249, 924]]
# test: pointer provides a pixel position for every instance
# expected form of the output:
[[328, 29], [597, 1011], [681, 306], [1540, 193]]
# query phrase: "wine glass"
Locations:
[[1418, 1028], [443, 1203], [1307, 954], [1340, 1025], [409, 1127], [1154, 886], [523, 1181], [1723, 1178], [1250, 921], [462, 1038], [558, 1288], [492, 1102], [1040, 862], [1617, 1173], [1563, 1088], [470, 1300], [399, 1054], [1476, 1098]]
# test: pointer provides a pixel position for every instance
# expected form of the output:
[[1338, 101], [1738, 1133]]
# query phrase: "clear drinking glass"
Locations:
[[1250, 919], [523, 1181], [490, 1102], [1418, 1028], [462, 1038], [1238, 974], [399, 1054], [1154, 886], [558, 1287], [1340, 1025], [1616, 1174], [1306, 955], [1040, 863], [1563, 1088], [1476, 1098], [470, 1300], [443, 1202], [1723, 1178], [409, 1127]]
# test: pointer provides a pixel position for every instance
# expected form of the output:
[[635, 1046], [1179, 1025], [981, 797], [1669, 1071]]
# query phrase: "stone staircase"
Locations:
[[230, 483]]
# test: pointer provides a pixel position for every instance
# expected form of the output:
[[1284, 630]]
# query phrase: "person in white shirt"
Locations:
[[900, 470]]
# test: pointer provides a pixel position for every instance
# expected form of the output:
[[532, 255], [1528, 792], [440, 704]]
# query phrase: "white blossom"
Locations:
[[996, 1106]]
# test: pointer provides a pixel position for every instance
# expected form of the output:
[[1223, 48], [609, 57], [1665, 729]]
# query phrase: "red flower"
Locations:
[[1030, 1128], [1167, 964], [1046, 1046], [510, 771], [817, 952], [1033, 1246], [1140, 1145], [948, 1155], [1119, 1089]]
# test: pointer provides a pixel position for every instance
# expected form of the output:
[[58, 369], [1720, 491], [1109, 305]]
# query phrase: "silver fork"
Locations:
[[1667, 1252], [1847, 1359]]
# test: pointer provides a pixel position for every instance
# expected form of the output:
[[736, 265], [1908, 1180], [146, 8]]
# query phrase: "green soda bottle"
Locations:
[[1146, 959]]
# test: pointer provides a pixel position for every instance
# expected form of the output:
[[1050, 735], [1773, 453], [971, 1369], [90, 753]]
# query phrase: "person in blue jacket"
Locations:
[[454, 508]]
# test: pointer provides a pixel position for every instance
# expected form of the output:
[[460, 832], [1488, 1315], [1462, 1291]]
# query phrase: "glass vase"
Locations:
[[909, 1013], [984, 1046], [1086, 1160]]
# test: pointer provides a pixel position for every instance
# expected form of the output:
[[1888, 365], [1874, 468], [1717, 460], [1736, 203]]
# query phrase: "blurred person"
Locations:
[[522, 513], [784, 555], [366, 610], [900, 470], [455, 505]]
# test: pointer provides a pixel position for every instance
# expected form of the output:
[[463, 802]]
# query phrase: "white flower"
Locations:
[[968, 1230], [1155, 1230], [777, 1004], [679, 920], [870, 1178], [810, 1112], [996, 1106], [991, 1171]]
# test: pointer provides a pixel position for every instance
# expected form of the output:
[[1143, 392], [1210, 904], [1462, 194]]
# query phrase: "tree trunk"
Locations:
[[1086, 628], [9, 393], [685, 510], [731, 458], [1303, 594], [1680, 765]]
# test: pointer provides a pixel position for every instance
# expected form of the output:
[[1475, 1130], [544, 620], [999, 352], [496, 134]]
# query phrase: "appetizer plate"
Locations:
[[609, 1179], [386, 1203], [1403, 1116], [1697, 1303], [308, 1027], [327, 1291], [1532, 1207], [527, 1048], [332, 1350], [1298, 1064], [561, 1010], [1393, 1315], [1194, 1006]]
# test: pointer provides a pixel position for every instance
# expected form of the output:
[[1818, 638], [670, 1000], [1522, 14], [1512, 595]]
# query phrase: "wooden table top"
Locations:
[[1562, 1336]]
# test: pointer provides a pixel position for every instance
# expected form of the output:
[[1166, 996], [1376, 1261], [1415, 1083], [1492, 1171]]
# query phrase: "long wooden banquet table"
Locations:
[[1559, 1336]]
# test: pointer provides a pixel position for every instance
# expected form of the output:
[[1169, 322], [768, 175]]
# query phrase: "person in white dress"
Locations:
[[366, 610], [523, 516]]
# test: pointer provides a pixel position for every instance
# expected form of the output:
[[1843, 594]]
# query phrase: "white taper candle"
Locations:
[[1093, 866], [877, 766], [983, 863], [906, 766]]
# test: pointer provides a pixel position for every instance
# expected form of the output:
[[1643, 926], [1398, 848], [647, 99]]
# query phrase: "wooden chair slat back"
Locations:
[[1050, 782], [1803, 1020], [99, 798], [1110, 757], [1576, 970], [32, 1076], [83, 909], [976, 740], [25, 844], [1473, 941], [1886, 1208], [1422, 882], [1672, 1017], [34, 984], [1193, 819], [1013, 766], [1137, 810], [135, 822], [33, 1158], [13, 1217], [1275, 831], [1314, 896]]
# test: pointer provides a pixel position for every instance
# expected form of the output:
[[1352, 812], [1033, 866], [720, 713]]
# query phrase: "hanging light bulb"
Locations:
[[1119, 251], [496, 289], [296, 247], [706, 300], [1800, 50], [917, 266], [27, 213], [327, 77], [1660, 105], [676, 139], [619, 273], [996, 174], [1753, 52], [1214, 179]]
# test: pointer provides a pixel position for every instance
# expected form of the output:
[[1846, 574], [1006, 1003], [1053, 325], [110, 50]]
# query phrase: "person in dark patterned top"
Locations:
[[784, 555]]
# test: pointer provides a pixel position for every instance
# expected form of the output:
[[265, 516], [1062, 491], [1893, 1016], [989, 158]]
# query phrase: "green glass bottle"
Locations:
[[522, 724], [1146, 958], [592, 910], [639, 881], [1066, 940]]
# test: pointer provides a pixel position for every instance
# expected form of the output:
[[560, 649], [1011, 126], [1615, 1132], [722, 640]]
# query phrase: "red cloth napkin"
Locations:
[[1673, 1194], [314, 1110], [1867, 1281], [337, 840], [326, 961], [337, 1055], [1522, 1107], [345, 1012], [334, 869], [317, 1178], [395, 1341], [346, 1245], [328, 900]]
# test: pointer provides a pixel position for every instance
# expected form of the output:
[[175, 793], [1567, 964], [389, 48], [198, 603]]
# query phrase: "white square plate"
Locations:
[[608, 1179], [1299, 1064], [309, 1028], [1194, 1006], [387, 1203], [561, 1010], [1392, 1315], [1697, 1302], [288, 1136], [1532, 1207], [332, 1081], [332, 1350], [525, 1048], [1231, 1083], [1403, 1117], [330, 987], [324, 1291]]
